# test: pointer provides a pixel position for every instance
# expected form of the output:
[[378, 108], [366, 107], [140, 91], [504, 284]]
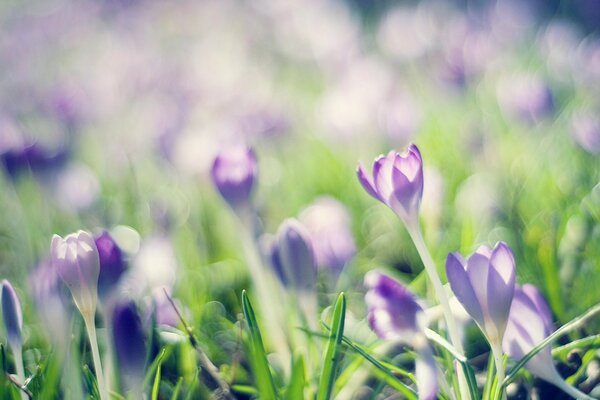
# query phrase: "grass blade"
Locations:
[[382, 371], [332, 354], [258, 358], [295, 389], [156, 384]]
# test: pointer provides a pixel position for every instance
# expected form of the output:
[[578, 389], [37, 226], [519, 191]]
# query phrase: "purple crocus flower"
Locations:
[[328, 222], [394, 314], [293, 256], [130, 344], [12, 314], [112, 263], [585, 130], [485, 284], [234, 173], [76, 260], [529, 323], [397, 181]]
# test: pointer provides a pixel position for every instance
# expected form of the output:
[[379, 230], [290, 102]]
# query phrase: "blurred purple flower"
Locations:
[[234, 173], [12, 314], [485, 284], [394, 314], [585, 129], [397, 182], [76, 260], [527, 98], [54, 307], [293, 257], [130, 344], [328, 222], [112, 263], [529, 323]]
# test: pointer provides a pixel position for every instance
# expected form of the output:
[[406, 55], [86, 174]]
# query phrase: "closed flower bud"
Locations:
[[484, 284], [293, 257], [233, 173], [12, 314], [77, 262], [397, 181], [112, 263], [130, 344]]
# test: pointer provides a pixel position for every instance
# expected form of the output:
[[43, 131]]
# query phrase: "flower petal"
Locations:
[[366, 181], [462, 287]]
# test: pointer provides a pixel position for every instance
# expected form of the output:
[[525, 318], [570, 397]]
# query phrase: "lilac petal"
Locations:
[[411, 164], [540, 304], [366, 182], [426, 374], [296, 254], [11, 313], [382, 176], [405, 196], [393, 311], [500, 297], [503, 261], [461, 286], [478, 270]]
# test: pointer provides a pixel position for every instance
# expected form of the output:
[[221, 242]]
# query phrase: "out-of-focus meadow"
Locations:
[[112, 112]]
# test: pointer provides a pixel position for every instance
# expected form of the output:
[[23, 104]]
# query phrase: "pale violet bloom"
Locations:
[[329, 222], [397, 181], [234, 173], [293, 256], [484, 284], [76, 260], [529, 323], [12, 314], [394, 314]]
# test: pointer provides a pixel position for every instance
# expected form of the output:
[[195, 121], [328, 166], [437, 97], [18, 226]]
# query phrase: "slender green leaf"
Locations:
[[590, 341], [568, 327], [385, 373], [175, 394], [471, 381], [295, 389], [264, 379], [489, 378], [332, 353], [436, 338], [156, 384]]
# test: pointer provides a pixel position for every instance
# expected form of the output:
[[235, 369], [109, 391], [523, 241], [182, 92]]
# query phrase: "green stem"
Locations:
[[417, 237], [498, 360], [90, 326], [18, 354]]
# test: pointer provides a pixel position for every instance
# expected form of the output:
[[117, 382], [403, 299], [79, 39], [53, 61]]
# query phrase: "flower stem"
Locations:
[[417, 237], [90, 326], [498, 360], [18, 354]]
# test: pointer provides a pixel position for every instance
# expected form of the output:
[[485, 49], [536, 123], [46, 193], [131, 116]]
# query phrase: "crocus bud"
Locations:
[[77, 262], [397, 181], [484, 284], [293, 256], [529, 323], [112, 263], [233, 173], [394, 314], [12, 314], [328, 222], [130, 344]]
